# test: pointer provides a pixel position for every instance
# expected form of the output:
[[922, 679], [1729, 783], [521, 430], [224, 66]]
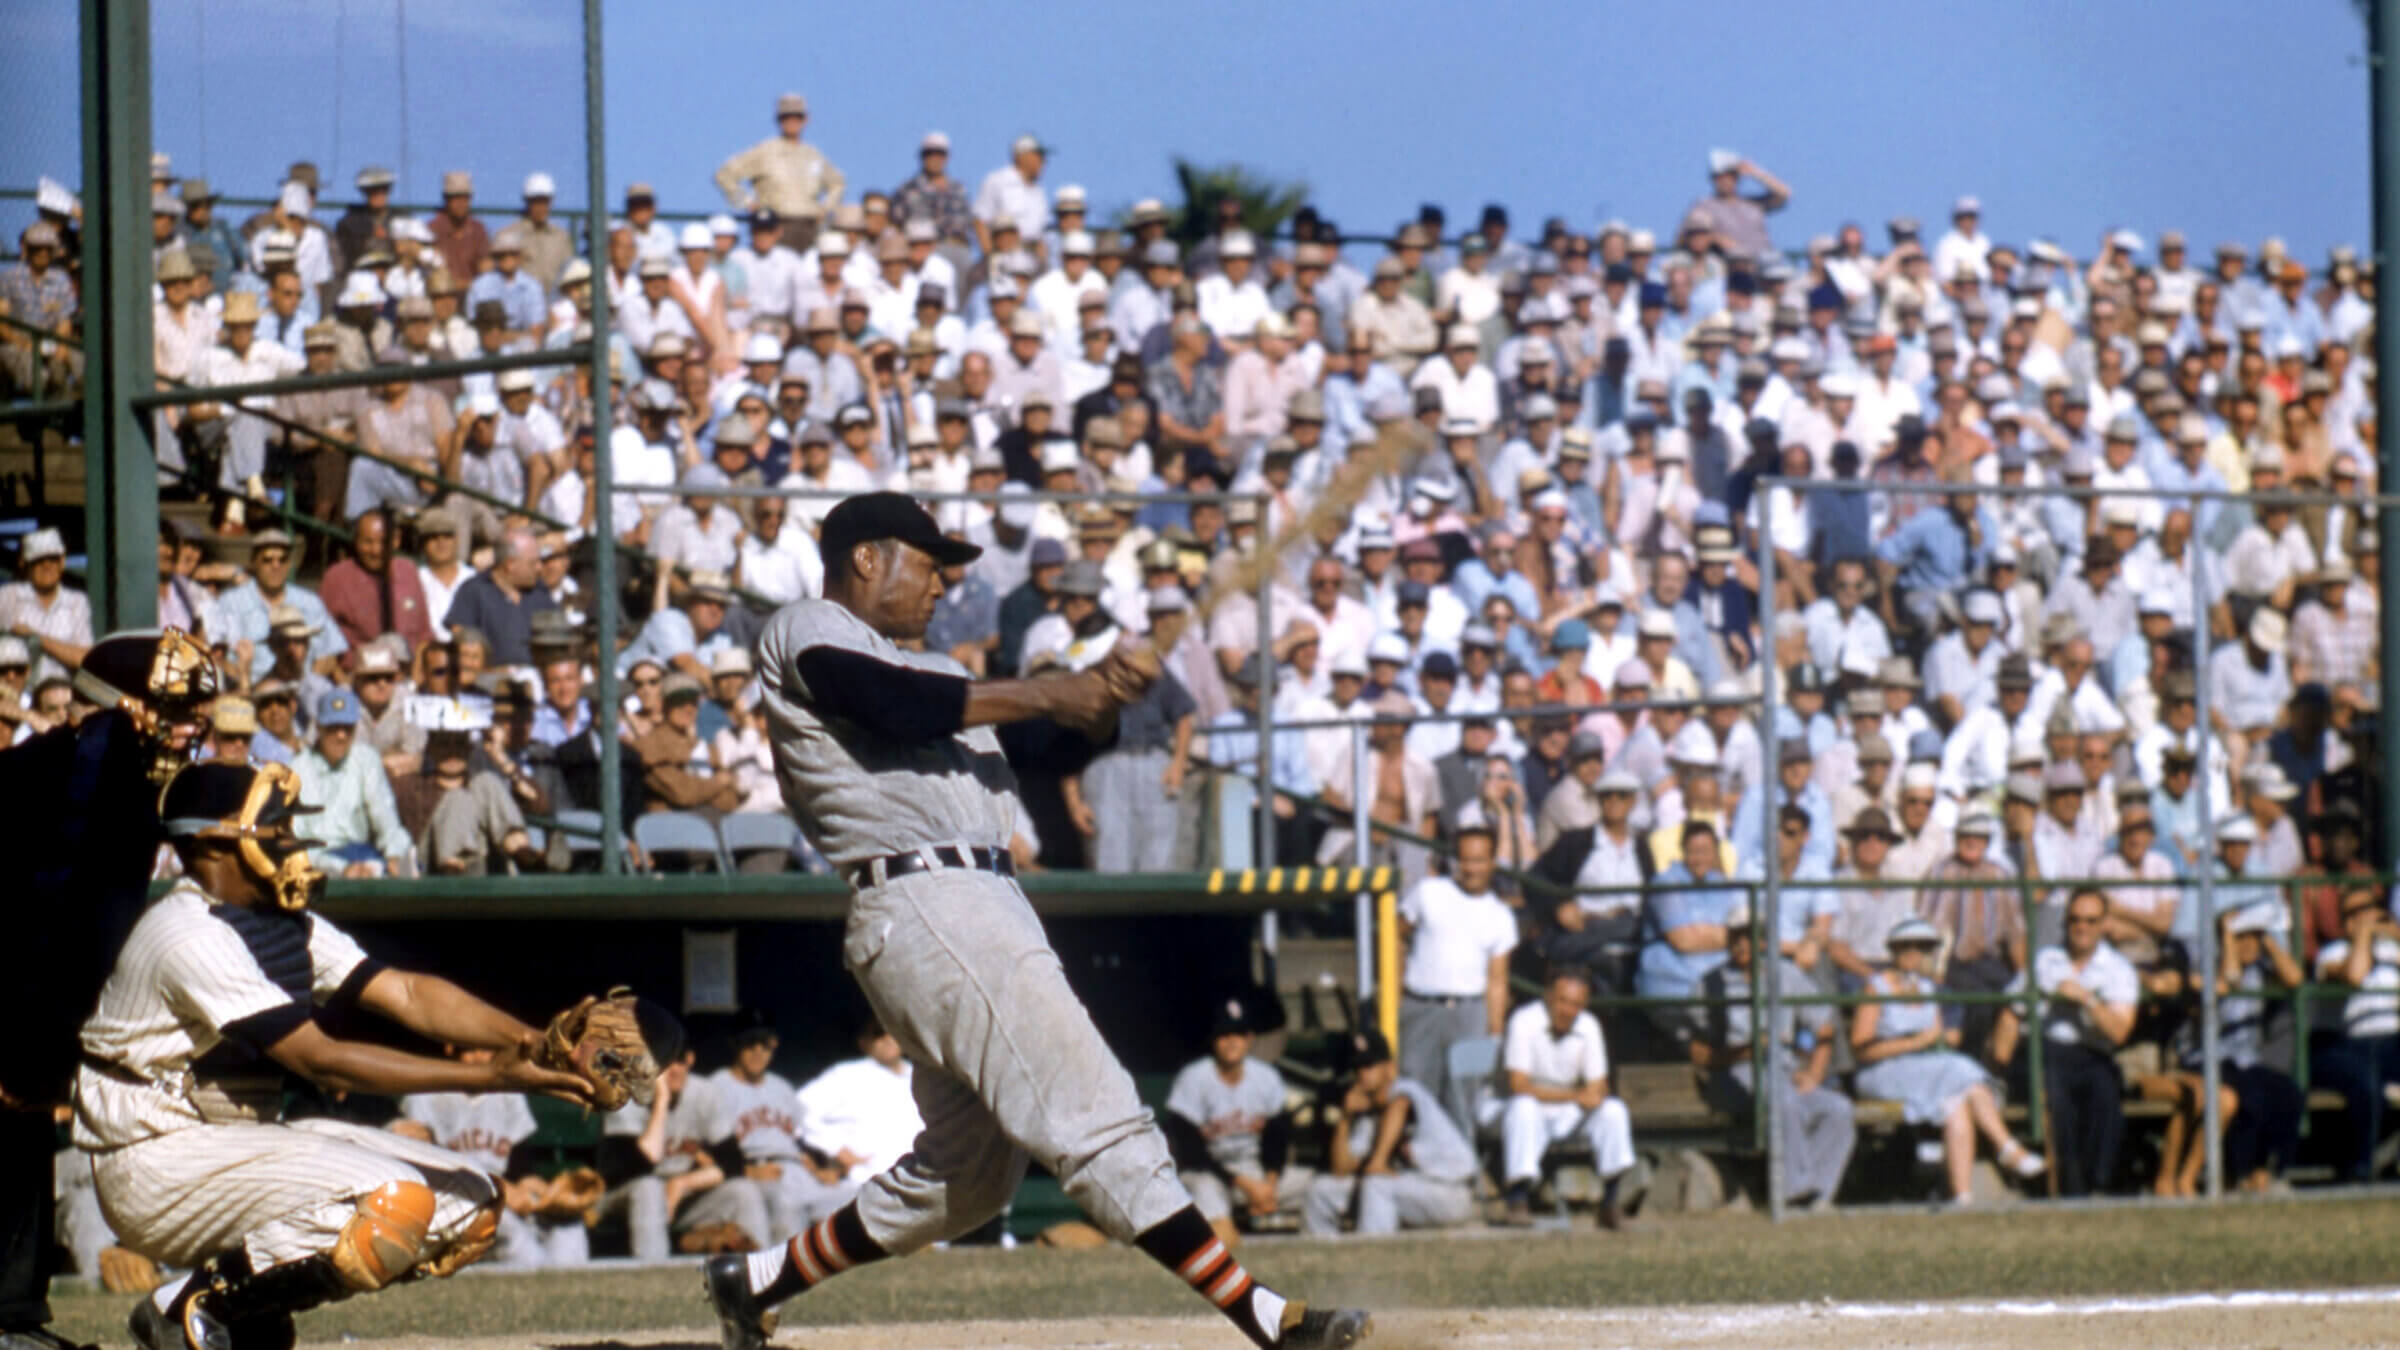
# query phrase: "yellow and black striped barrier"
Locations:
[[1314, 882]]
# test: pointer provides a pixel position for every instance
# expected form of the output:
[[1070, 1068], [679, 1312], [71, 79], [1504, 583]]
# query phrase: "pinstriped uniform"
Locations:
[[179, 1107]]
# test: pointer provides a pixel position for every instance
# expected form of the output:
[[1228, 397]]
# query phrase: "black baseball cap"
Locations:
[[874, 516], [1367, 1048]]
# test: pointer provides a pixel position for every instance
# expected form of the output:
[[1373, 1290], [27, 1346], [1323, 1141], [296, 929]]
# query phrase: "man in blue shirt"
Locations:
[[1931, 555], [1684, 927], [520, 296], [1233, 746], [1477, 578]]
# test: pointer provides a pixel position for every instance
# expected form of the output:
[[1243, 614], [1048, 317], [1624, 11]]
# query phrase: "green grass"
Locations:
[[1727, 1259]]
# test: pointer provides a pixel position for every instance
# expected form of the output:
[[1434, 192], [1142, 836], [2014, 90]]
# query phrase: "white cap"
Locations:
[[40, 544], [1920, 776], [292, 198], [483, 403], [1076, 244], [2239, 830], [761, 347], [1237, 244], [1657, 623], [1388, 647], [1838, 384], [1060, 456], [1070, 196], [360, 289], [539, 185], [934, 140], [1694, 745], [1722, 161], [695, 235], [723, 225]]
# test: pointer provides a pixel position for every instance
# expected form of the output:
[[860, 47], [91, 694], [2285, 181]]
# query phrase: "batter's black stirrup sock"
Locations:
[[1184, 1243], [818, 1253]]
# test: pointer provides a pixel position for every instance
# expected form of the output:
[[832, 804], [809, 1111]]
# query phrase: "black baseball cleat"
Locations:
[[1326, 1329], [179, 1329], [743, 1323]]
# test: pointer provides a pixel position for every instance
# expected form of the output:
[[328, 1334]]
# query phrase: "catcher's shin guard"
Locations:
[[386, 1238]]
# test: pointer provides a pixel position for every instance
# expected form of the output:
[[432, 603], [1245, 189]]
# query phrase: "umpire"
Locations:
[[80, 837]]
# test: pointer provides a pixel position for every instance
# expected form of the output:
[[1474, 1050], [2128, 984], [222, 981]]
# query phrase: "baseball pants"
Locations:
[[1214, 1197], [1428, 1028], [280, 1192], [1815, 1131], [528, 1243], [643, 1202], [1528, 1128], [957, 967], [1386, 1203], [1136, 819], [797, 1199]]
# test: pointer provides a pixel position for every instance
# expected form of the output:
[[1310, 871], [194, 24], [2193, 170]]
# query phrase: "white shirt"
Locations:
[[1232, 312], [1568, 1061], [438, 595], [2375, 1009], [864, 1107], [1474, 395], [1453, 937], [2106, 973], [1005, 193]]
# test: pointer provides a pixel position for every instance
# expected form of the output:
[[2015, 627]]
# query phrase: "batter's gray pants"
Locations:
[[643, 1202], [1387, 1203], [1816, 1130], [1135, 818], [957, 968], [1428, 1028]]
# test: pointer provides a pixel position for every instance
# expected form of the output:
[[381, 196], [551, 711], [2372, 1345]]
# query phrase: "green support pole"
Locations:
[[120, 466], [2383, 22], [604, 582]]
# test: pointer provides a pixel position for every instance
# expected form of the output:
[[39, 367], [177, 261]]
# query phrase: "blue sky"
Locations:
[[2219, 117]]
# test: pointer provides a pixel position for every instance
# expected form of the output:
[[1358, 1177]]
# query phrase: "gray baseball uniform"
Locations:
[[1232, 1118], [487, 1127], [179, 1106], [953, 960], [764, 1118], [1431, 1184], [692, 1124]]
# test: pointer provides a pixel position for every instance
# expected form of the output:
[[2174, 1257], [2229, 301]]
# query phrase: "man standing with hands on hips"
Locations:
[[889, 761]]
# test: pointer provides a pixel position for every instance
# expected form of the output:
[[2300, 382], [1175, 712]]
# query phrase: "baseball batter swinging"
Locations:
[[888, 759]]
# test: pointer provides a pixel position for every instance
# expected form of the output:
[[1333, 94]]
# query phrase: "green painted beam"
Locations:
[[720, 898], [121, 466]]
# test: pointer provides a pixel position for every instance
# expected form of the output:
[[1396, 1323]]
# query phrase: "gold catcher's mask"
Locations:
[[253, 806], [163, 681]]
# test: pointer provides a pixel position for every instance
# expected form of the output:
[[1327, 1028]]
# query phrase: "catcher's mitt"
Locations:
[[614, 1043]]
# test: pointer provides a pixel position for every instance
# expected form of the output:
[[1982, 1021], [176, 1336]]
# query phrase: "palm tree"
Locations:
[[1266, 204]]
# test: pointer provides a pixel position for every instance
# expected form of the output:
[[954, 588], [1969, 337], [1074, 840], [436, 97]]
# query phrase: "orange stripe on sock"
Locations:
[[811, 1269], [1230, 1289], [836, 1260], [1202, 1262]]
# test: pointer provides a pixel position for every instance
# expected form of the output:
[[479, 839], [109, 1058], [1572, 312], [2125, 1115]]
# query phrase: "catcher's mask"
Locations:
[[162, 680], [252, 806]]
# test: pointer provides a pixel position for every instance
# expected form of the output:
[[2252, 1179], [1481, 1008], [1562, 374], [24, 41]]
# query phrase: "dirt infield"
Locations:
[[2297, 1322]]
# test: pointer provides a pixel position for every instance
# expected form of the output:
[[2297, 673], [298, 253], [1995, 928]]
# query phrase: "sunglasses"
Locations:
[[651, 683], [2082, 920], [436, 672]]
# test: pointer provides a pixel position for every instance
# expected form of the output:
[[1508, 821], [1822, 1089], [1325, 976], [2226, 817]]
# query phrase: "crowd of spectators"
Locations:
[[1539, 586]]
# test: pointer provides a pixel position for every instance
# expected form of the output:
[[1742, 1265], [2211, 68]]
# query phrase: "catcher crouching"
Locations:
[[177, 1101]]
